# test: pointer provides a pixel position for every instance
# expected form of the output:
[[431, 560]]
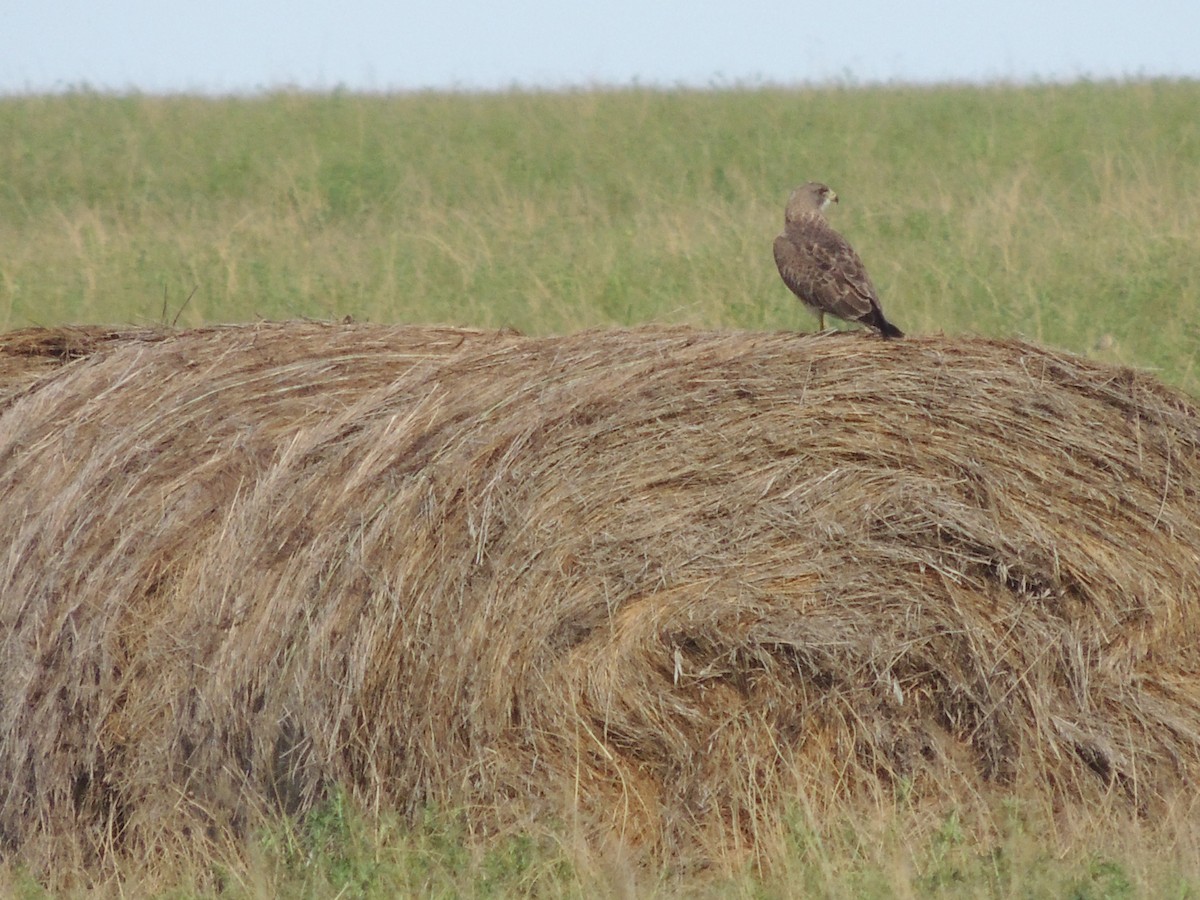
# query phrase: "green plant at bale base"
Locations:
[[956, 869], [337, 851], [1104, 879], [903, 854], [333, 841], [20, 885]]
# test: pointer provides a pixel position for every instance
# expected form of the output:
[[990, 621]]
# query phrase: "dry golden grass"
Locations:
[[667, 586]]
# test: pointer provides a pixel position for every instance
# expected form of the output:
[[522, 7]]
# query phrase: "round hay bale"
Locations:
[[664, 584]]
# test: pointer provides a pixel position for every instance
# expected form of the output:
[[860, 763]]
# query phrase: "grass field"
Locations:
[[1065, 214], [337, 852]]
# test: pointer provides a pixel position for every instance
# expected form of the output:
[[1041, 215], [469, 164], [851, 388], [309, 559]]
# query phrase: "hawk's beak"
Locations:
[[833, 197]]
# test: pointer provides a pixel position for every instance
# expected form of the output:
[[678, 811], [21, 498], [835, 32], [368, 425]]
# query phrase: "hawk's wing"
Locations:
[[822, 269]]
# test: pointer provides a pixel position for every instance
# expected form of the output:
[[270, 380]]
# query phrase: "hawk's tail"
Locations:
[[887, 329], [876, 320]]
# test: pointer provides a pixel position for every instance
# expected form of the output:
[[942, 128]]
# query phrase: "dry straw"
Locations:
[[666, 587]]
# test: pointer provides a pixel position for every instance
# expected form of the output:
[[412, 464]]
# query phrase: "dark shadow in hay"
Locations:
[[661, 584]]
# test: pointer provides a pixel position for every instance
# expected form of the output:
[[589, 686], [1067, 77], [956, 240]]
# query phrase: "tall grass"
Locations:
[[338, 852], [1066, 214]]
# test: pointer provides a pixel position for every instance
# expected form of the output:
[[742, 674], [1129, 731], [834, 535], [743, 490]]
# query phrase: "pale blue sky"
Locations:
[[247, 45]]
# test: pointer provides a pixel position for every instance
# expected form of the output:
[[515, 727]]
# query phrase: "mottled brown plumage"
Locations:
[[821, 268]]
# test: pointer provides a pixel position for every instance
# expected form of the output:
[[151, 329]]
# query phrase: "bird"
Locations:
[[821, 268]]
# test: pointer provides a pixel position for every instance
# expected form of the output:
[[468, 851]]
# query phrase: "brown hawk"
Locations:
[[821, 268]]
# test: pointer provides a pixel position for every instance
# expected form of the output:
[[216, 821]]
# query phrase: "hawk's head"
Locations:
[[809, 198]]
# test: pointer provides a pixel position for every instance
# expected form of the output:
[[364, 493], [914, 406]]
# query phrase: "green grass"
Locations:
[[339, 852], [1065, 214]]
